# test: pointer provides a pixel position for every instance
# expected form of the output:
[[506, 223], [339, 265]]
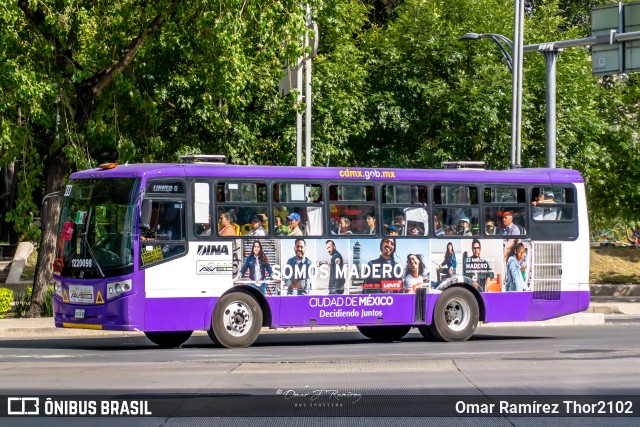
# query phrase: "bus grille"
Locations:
[[546, 275]]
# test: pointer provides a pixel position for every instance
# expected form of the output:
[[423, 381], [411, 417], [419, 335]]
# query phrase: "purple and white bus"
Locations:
[[168, 249]]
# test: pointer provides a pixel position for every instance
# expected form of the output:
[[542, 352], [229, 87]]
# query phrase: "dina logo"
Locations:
[[213, 250]]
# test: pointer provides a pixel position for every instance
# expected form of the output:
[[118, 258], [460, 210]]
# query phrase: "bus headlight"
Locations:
[[57, 288], [116, 288]]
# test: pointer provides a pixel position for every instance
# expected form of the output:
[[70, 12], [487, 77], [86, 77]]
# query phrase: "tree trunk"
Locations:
[[54, 175], [8, 199], [82, 106]]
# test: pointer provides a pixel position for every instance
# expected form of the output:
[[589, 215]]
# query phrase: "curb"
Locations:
[[605, 290], [577, 319]]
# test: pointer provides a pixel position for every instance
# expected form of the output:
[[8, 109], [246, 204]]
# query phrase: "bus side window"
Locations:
[[202, 209], [404, 211], [349, 207], [166, 236], [552, 204], [458, 213], [242, 209], [505, 211], [298, 209]]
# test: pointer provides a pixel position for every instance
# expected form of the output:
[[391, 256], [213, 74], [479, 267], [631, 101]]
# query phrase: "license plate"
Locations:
[[79, 313]]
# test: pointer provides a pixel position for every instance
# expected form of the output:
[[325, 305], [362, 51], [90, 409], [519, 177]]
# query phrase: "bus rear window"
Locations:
[[552, 204]]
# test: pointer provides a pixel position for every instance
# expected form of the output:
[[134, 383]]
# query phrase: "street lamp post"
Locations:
[[550, 52], [504, 44], [506, 48]]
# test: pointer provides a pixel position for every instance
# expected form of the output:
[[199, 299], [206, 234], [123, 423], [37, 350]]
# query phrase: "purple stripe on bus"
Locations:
[[150, 170], [362, 309], [165, 314], [178, 314], [521, 307]]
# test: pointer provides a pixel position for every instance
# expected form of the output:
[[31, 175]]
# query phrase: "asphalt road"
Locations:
[[499, 361]]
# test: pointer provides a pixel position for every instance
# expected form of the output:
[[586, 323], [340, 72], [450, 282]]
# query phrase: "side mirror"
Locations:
[[145, 215]]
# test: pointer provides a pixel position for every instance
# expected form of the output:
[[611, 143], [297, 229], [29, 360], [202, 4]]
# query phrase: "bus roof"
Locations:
[[164, 170]]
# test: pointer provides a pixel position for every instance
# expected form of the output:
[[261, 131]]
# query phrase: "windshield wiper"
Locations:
[[86, 242]]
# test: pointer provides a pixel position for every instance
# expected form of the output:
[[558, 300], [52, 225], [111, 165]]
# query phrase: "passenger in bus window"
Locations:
[[489, 227], [204, 229], [294, 225], [226, 227], [399, 222], [508, 227], [281, 229], [371, 224], [537, 210], [392, 230], [414, 274], [550, 212], [464, 229], [257, 228], [298, 281], [336, 281], [437, 226], [344, 226]]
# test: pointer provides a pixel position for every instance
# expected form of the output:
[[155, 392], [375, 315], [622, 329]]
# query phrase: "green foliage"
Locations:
[[6, 297], [21, 301], [48, 302], [392, 87]]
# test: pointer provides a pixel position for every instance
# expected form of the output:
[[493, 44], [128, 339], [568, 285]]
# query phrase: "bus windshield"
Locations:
[[97, 228]]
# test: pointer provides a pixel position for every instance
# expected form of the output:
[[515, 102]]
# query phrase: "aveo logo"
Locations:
[[23, 406], [213, 250], [212, 267]]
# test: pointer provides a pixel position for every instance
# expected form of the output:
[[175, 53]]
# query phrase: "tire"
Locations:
[[213, 338], [168, 339], [384, 333], [426, 333], [456, 315], [236, 321]]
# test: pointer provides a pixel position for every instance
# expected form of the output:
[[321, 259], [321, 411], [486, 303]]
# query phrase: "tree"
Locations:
[[434, 98], [63, 57]]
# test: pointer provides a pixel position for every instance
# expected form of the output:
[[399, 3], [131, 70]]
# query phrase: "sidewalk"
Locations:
[[601, 310]]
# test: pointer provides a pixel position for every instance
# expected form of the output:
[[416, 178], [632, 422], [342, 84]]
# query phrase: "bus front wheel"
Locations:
[[426, 333], [168, 339], [236, 321], [384, 333], [455, 316]]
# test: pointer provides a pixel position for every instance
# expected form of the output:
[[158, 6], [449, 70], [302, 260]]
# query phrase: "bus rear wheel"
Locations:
[[168, 339], [236, 321], [455, 317], [384, 333]]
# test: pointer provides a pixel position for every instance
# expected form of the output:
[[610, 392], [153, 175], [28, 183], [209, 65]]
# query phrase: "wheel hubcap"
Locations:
[[456, 314], [237, 318]]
